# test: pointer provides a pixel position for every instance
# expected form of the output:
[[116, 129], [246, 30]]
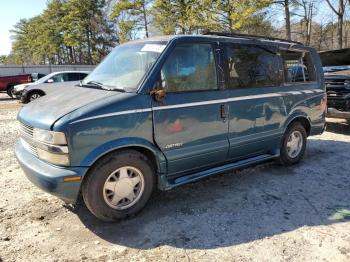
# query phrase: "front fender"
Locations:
[[128, 142]]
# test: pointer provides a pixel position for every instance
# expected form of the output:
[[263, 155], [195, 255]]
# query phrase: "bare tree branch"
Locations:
[[332, 7]]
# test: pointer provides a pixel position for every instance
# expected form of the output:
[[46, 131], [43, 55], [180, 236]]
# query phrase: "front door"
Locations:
[[190, 124]]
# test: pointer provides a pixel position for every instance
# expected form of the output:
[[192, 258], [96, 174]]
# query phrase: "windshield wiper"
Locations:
[[102, 86]]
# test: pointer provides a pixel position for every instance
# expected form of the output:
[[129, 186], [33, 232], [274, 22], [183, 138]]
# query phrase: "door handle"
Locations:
[[223, 112]]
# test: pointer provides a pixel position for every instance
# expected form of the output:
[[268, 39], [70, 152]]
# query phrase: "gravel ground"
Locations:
[[263, 213]]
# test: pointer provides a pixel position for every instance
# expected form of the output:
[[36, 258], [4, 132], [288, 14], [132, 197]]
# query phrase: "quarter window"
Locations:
[[82, 76], [252, 66], [190, 67], [298, 66]]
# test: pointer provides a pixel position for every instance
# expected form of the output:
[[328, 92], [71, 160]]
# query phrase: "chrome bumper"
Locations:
[[334, 113]]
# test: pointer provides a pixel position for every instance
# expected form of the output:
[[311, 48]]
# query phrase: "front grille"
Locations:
[[337, 88], [31, 148], [337, 82], [26, 130], [26, 133], [334, 94]]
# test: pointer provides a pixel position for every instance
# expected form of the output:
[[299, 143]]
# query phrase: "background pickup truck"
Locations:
[[8, 82], [336, 66], [338, 94]]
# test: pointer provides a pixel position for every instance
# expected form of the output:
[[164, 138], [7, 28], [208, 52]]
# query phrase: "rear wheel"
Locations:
[[293, 144], [10, 91], [118, 185]]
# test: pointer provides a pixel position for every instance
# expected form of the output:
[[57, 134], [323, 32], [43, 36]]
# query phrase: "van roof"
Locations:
[[223, 36]]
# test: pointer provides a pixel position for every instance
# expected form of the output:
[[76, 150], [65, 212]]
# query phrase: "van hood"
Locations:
[[45, 111]]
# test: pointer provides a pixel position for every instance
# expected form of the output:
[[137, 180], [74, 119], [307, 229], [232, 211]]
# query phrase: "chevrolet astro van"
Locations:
[[162, 112]]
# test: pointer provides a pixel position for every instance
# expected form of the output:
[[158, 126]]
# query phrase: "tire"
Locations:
[[113, 205], [24, 99], [33, 96], [294, 152], [10, 91]]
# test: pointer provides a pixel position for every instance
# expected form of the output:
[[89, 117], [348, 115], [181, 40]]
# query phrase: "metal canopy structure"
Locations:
[[339, 57]]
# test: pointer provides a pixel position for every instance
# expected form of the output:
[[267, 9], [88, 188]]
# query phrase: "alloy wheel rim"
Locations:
[[294, 144], [123, 188], [34, 96]]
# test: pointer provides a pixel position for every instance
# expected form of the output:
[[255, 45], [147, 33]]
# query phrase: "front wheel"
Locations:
[[33, 96], [118, 185], [293, 144]]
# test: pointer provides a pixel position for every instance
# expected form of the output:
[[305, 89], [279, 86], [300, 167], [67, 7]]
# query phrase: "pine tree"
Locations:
[[176, 16], [231, 15], [132, 16]]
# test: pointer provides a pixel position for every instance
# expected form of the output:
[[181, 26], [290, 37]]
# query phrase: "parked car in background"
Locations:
[[166, 111], [64, 76], [37, 76], [30, 93], [338, 92], [7, 83]]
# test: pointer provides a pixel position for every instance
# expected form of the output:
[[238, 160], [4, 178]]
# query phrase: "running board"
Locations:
[[197, 176]]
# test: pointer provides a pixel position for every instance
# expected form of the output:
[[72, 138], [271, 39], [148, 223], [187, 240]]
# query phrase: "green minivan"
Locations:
[[166, 111]]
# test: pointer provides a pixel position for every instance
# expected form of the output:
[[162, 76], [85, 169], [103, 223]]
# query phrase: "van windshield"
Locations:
[[125, 66]]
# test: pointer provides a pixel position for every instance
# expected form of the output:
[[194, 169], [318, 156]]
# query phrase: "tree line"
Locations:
[[85, 31]]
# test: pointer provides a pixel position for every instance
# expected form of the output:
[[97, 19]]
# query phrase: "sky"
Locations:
[[11, 11]]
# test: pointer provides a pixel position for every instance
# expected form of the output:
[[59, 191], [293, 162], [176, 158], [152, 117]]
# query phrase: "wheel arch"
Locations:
[[303, 119], [41, 92], [143, 146]]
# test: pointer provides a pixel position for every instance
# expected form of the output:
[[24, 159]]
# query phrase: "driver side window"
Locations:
[[59, 78], [190, 67]]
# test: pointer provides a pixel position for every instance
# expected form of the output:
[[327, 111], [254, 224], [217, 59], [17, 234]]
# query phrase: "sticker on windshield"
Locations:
[[153, 48]]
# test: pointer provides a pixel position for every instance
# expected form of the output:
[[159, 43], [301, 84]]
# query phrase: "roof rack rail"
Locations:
[[248, 36]]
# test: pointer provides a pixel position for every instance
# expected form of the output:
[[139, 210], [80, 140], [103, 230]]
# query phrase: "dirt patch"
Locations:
[[263, 213]]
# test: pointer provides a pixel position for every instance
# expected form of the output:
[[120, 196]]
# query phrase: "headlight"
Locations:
[[51, 146], [56, 159], [49, 137], [347, 84], [20, 88]]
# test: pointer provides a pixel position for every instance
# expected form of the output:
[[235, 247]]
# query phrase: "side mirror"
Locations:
[[50, 81], [158, 93]]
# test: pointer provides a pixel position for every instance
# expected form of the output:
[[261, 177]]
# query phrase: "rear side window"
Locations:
[[252, 66], [190, 67], [82, 76], [298, 66], [73, 77]]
